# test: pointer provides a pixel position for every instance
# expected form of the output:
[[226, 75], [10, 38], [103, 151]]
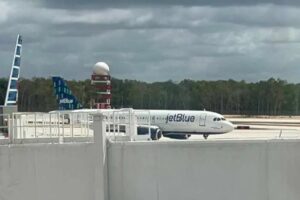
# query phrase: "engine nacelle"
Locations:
[[155, 132], [177, 136]]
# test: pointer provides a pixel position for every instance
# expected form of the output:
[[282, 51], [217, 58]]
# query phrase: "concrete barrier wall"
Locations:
[[231, 170], [192, 170], [49, 172]]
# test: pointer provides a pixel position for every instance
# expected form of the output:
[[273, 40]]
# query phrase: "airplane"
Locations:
[[181, 124], [11, 97], [178, 124]]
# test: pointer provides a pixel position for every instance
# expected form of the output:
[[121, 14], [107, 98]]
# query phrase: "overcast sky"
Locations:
[[155, 40]]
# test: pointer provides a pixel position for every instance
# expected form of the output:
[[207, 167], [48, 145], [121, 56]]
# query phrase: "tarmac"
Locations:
[[250, 135]]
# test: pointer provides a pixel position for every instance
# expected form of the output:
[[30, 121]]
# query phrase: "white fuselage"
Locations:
[[175, 121], [186, 121]]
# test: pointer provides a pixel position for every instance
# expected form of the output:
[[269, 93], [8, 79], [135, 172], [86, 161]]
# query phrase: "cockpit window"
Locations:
[[218, 119], [223, 119]]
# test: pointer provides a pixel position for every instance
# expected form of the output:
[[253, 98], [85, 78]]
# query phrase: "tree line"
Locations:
[[269, 97]]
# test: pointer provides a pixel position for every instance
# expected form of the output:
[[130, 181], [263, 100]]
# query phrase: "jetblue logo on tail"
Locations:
[[66, 100], [64, 96], [180, 118]]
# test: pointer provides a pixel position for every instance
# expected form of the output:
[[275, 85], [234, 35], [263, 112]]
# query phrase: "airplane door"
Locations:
[[152, 120], [202, 120]]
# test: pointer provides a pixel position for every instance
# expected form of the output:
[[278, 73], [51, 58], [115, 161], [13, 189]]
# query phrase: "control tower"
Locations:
[[101, 81]]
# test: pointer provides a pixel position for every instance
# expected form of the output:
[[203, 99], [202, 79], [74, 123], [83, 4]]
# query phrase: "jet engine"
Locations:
[[155, 132], [177, 136]]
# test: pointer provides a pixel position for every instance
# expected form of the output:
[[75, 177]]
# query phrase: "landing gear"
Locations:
[[205, 136], [186, 136]]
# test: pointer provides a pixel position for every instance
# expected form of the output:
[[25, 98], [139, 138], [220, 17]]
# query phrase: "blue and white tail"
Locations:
[[12, 87], [64, 96]]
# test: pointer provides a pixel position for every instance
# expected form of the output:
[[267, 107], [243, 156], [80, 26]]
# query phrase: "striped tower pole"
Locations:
[[102, 86]]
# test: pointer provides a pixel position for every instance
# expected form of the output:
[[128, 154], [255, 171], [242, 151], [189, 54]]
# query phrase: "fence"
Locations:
[[54, 127], [64, 126], [122, 124]]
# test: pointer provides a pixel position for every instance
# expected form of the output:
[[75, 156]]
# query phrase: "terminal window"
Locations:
[[18, 51], [13, 84], [20, 40], [12, 96], [15, 73], [17, 61]]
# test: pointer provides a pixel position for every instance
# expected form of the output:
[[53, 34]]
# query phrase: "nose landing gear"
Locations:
[[205, 136]]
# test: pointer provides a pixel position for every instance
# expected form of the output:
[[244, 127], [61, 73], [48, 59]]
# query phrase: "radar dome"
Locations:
[[101, 68]]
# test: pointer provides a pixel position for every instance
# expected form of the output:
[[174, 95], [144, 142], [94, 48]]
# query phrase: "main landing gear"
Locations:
[[205, 136]]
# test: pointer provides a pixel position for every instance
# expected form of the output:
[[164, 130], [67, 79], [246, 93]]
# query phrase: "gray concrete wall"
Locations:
[[69, 171], [49, 172], [228, 170], [189, 170]]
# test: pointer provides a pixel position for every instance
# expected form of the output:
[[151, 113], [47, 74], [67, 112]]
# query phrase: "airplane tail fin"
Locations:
[[11, 97], [64, 96]]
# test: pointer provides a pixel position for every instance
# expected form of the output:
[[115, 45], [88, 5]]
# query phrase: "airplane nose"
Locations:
[[229, 127]]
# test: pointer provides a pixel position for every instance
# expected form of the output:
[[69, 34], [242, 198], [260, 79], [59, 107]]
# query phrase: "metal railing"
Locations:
[[64, 126], [53, 127], [4, 128], [122, 124]]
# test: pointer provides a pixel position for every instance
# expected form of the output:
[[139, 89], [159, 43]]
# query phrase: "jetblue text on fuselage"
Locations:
[[180, 118]]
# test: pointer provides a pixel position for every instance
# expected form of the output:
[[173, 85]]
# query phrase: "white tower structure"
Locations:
[[12, 87], [101, 79]]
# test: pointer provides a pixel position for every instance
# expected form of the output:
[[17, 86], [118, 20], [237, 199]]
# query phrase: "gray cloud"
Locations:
[[198, 40], [97, 4]]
